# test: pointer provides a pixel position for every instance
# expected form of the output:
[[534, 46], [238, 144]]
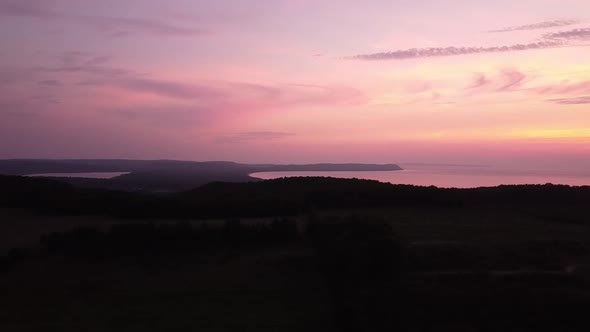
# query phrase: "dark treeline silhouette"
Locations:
[[56, 197], [282, 197]]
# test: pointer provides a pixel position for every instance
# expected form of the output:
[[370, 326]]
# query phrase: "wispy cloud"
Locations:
[[239, 95], [95, 73], [30, 105], [169, 89], [115, 25], [506, 80], [162, 116], [44, 99], [12, 75], [84, 63], [582, 34], [78, 58], [49, 83], [565, 88], [479, 81], [30, 8], [572, 101], [253, 136], [95, 70], [540, 25], [511, 79], [516, 80], [416, 53]]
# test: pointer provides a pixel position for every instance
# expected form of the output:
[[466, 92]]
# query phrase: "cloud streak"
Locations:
[[114, 25], [168, 89], [87, 72], [572, 101], [539, 26], [506, 80], [582, 34], [237, 95], [565, 88], [417, 53], [512, 79], [253, 136], [567, 38], [480, 80], [49, 83]]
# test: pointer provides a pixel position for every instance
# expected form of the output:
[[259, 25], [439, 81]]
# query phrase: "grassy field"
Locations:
[[227, 292], [461, 269]]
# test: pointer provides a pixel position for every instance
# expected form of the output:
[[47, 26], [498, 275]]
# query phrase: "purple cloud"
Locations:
[[161, 115], [26, 8], [78, 58], [42, 10], [49, 83], [416, 53], [84, 63], [512, 79], [85, 70], [44, 99], [168, 88], [507, 80], [123, 26], [10, 76], [565, 88], [253, 136], [479, 81], [572, 101], [539, 26], [570, 35]]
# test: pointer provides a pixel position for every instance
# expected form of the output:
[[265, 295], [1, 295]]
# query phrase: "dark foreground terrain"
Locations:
[[299, 254]]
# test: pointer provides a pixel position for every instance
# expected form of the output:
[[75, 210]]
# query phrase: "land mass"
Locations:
[[165, 175]]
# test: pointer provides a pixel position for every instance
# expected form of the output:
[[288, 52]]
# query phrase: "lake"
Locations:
[[89, 175], [451, 176]]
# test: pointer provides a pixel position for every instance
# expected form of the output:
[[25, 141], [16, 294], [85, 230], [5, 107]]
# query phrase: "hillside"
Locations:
[[294, 254], [164, 175]]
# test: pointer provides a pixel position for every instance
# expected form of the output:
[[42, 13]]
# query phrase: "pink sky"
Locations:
[[296, 80]]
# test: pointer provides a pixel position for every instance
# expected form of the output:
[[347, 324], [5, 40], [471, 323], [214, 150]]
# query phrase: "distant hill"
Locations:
[[164, 175], [287, 196]]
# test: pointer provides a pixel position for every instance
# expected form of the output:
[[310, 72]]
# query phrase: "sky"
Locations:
[[297, 81]]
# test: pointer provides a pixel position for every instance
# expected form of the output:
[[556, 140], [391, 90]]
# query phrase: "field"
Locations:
[[461, 270]]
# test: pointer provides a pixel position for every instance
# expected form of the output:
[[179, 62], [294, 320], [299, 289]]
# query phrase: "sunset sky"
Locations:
[[453, 81]]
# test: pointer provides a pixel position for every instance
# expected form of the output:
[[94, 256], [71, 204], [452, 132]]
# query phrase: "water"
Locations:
[[452, 176], [89, 175]]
